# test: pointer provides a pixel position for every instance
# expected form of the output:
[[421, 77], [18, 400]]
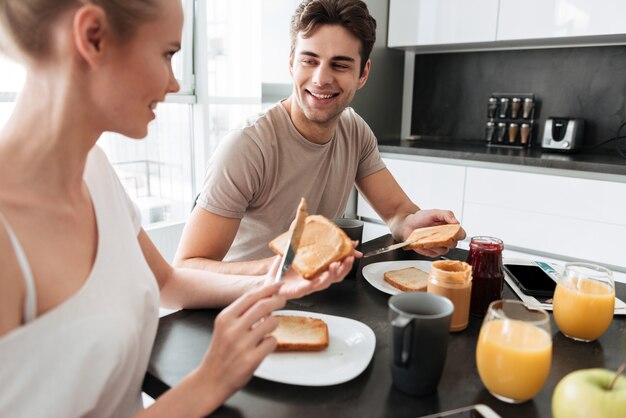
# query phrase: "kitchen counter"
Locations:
[[603, 161]]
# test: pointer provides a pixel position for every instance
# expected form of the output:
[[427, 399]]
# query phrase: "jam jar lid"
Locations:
[[487, 243]]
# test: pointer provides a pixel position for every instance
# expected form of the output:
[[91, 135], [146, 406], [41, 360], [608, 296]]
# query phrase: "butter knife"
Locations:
[[389, 248], [291, 247]]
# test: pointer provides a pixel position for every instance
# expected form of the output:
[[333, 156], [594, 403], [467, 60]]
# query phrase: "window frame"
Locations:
[[187, 92]]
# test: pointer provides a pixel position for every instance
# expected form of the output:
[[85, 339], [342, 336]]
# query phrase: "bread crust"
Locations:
[[434, 236], [300, 333], [408, 279], [306, 263]]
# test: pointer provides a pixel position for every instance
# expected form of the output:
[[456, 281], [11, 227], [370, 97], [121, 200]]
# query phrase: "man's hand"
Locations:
[[431, 217]]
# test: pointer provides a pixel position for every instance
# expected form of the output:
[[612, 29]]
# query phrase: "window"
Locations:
[[232, 64], [224, 49], [157, 172], [11, 84]]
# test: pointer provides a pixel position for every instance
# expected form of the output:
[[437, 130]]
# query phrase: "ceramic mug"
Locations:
[[354, 230], [420, 324]]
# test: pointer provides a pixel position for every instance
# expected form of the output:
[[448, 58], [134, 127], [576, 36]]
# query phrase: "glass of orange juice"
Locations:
[[514, 350], [584, 301]]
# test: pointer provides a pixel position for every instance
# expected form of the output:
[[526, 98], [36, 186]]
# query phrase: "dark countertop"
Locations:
[[604, 160], [183, 338]]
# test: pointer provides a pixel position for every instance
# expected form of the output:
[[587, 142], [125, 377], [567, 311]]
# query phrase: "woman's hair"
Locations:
[[25, 24], [353, 15]]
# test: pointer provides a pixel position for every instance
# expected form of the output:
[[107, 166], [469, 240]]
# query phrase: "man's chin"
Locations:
[[322, 118]]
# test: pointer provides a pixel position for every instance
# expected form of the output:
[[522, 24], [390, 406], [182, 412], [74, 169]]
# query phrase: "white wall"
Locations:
[[275, 43]]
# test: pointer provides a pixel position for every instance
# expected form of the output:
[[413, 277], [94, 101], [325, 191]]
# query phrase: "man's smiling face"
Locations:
[[325, 70]]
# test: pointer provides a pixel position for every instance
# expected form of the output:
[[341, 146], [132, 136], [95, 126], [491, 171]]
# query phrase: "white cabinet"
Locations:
[[373, 230], [429, 185], [536, 19], [436, 22], [453, 25], [566, 216], [541, 213]]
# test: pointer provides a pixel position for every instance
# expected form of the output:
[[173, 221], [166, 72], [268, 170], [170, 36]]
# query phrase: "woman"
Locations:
[[79, 278]]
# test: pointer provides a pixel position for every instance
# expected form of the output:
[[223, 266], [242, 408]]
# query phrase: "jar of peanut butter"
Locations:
[[453, 279]]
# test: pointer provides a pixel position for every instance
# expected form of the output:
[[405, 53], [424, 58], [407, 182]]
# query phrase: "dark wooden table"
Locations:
[[184, 336]]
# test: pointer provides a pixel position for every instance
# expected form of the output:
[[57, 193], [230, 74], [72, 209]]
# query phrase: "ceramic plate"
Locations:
[[350, 349], [374, 272]]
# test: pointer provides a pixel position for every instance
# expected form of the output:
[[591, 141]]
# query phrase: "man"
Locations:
[[311, 144]]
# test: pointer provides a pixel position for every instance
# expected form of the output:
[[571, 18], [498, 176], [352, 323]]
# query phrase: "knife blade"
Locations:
[[389, 248], [291, 247]]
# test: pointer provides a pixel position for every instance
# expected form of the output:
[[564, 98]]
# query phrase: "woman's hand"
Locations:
[[240, 340], [295, 286]]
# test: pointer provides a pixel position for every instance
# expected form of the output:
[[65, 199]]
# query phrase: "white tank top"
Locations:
[[88, 356]]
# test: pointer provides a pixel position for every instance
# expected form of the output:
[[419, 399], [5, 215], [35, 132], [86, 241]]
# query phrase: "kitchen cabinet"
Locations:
[[437, 22], [533, 19], [429, 185], [373, 230], [455, 25], [551, 215], [568, 216]]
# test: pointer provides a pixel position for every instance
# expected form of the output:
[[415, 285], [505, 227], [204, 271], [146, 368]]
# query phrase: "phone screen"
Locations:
[[531, 279]]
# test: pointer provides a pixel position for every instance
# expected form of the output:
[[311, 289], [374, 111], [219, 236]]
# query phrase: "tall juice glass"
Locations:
[[514, 350], [584, 301]]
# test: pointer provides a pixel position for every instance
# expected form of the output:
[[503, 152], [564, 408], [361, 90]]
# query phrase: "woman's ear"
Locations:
[[90, 32]]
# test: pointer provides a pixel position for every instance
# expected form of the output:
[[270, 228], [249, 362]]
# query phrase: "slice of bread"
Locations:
[[433, 236], [300, 333], [322, 242], [410, 279]]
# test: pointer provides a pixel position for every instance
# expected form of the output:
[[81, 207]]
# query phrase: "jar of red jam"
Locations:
[[485, 257]]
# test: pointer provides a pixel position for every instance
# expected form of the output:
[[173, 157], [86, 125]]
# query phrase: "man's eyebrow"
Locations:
[[335, 58]]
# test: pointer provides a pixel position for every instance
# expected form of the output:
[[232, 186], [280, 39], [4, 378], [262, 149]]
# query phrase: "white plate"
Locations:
[[350, 348], [374, 273]]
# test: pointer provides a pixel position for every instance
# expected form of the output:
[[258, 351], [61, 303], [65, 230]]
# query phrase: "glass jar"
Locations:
[[453, 280], [485, 257]]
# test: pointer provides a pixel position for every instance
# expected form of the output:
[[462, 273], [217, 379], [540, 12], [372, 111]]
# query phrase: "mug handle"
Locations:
[[402, 336]]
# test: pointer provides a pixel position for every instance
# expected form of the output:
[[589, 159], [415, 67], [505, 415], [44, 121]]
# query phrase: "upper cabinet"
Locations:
[[440, 22], [449, 25], [536, 19]]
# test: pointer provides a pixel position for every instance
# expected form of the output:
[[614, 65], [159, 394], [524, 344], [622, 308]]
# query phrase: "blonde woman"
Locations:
[[79, 279]]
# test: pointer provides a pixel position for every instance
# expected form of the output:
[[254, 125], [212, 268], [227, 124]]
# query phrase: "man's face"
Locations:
[[325, 70]]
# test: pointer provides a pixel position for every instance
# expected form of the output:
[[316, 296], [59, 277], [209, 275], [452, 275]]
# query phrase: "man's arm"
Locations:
[[206, 239], [385, 195]]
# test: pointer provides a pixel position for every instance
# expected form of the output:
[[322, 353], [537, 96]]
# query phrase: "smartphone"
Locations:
[[531, 279], [473, 411]]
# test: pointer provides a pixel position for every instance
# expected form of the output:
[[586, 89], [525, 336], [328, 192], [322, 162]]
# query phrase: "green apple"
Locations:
[[586, 393]]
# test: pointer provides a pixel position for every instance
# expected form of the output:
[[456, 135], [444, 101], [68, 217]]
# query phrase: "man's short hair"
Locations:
[[353, 15]]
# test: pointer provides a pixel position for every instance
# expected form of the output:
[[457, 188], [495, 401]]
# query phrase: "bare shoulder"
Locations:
[[12, 286]]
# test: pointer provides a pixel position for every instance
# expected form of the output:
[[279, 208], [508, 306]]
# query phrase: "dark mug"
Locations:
[[420, 324], [354, 230]]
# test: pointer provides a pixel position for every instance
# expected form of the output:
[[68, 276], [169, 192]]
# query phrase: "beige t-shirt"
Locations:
[[260, 172]]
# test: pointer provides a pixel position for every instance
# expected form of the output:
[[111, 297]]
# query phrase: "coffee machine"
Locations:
[[563, 134]]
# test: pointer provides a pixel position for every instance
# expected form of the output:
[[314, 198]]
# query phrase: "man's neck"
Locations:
[[317, 133]]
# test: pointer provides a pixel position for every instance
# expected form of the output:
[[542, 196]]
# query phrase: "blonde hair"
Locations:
[[25, 24]]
